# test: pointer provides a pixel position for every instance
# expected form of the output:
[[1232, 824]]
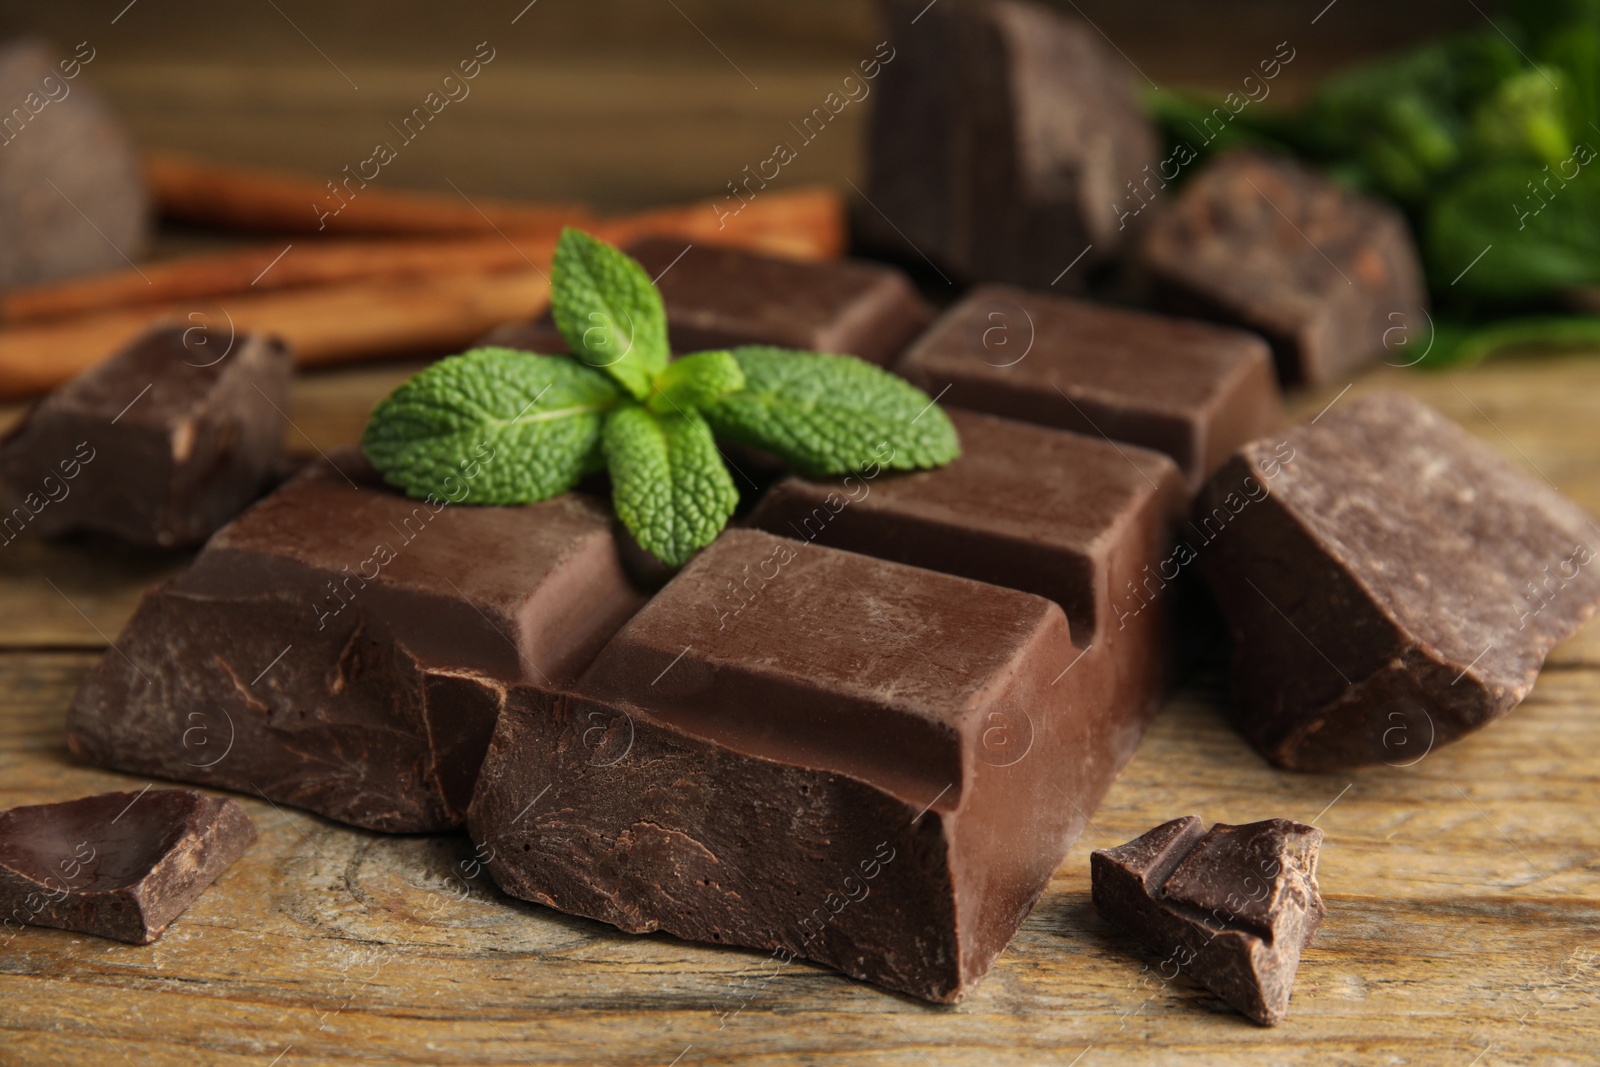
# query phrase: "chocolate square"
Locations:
[[1326, 274], [344, 649], [1190, 389], [724, 297], [159, 445]]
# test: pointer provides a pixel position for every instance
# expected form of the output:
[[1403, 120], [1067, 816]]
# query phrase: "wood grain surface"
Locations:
[[1463, 888]]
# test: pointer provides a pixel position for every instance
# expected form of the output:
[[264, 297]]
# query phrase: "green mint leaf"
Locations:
[[511, 427], [668, 483], [610, 313], [694, 381], [830, 415]]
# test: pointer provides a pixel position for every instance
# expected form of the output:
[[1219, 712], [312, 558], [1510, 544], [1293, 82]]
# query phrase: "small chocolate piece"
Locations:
[[1002, 140], [72, 195], [1267, 243], [344, 649], [1397, 586], [117, 865], [723, 297], [1233, 907], [159, 445], [1190, 389]]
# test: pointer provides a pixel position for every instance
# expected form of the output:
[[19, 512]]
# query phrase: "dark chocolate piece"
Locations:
[[1397, 586], [1233, 908], [344, 649], [723, 297], [1190, 389], [1325, 273], [72, 195], [1074, 519], [802, 727], [822, 754], [1001, 143], [159, 445], [117, 865]]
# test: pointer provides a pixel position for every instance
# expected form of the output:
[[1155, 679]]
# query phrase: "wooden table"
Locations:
[[1463, 890]]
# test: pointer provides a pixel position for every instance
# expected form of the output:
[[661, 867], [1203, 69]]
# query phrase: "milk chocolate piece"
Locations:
[[117, 865], [1190, 389], [72, 196], [1397, 586], [159, 445], [723, 297], [1325, 273], [1233, 908], [344, 649], [1002, 139]]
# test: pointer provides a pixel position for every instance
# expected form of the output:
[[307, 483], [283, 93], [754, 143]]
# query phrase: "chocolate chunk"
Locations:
[[344, 649], [723, 297], [117, 865], [1001, 142], [1190, 389], [1074, 519], [159, 445], [72, 196], [1392, 583], [1326, 274], [1233, 908], [817, 753]]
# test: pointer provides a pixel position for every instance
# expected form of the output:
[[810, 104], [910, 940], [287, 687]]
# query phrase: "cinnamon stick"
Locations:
[[328, 324], [228, 196], [803, 224]]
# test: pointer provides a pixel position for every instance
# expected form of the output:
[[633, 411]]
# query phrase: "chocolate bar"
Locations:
[[724, 297], [1190, 389], [1392, 584], [1002, 140], [159, 445], [847, 759], [1327, 275], [1233, 907], [72, 195], [344, 649], [117, 865]]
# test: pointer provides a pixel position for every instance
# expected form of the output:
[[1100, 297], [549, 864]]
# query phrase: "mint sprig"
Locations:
[[516, 427]]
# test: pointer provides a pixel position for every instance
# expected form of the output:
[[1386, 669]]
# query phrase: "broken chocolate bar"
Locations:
[[159, 445], [1397, 586], [926, 749], [1233, 908], [785, 750], [1190, 389], [72, 195], [1002, 140], [1327, 275], [344, 649], [724, 297], [117, 865]]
